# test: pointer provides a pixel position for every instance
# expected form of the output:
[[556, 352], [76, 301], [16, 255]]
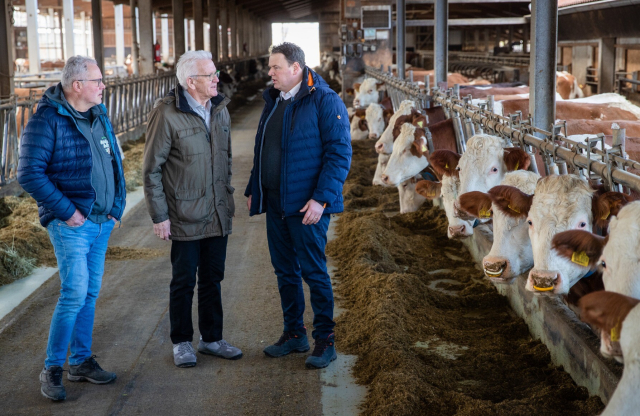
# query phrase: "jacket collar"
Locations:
[[307, 87], [183, 105]]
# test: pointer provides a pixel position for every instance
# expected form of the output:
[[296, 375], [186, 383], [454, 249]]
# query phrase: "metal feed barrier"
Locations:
[[128, 102], [560, 154]]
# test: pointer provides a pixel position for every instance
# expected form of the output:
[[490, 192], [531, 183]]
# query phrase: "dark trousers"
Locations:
[[297, 252], [206, 257]]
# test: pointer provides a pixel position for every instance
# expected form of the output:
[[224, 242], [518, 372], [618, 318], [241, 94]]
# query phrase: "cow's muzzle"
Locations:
[[544, 280]]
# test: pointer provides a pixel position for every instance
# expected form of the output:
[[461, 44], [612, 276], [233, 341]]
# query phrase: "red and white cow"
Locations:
[[383, 159], [385, 143], [410, 199], [560, 203], [511, 253], [567, 86], [620, 314], [366, 92], [358, 127], [378, 116], [409, 155], [444, 163], [589, 108]]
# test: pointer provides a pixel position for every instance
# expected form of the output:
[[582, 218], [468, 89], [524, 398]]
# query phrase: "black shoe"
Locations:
[[51, 383], [290, 341], [323, 353], [90, 371]]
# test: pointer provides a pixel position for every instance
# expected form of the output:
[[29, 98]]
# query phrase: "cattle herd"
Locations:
[[572, 237]]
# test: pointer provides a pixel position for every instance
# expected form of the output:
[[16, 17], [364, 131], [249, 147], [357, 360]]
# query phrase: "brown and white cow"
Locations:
[[410, 199], [385, 142], [358, 127], [378, 116], [567, 86], [560, 203], [511, 253], [366, 92], [621, 314], [570, 110], [482, 92], [444, 163], [410, 153]]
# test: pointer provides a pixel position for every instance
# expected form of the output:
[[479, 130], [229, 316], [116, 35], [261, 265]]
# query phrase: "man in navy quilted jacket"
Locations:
[[301, 160], [71, 165]]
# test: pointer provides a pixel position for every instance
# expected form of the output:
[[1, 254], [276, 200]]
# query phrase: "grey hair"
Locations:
[[75, 69], [188, 65]]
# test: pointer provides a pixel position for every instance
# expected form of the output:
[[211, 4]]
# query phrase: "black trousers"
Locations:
[[207, 258]]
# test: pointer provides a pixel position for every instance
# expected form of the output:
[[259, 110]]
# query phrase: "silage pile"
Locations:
[[25, 244], [431, 335]]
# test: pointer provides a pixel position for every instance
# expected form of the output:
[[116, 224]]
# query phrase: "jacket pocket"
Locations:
[[231, 205], [192, 205], [192, 141]]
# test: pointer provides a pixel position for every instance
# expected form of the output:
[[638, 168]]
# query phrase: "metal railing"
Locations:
[[128, 102], [627, 82], [560, 153]]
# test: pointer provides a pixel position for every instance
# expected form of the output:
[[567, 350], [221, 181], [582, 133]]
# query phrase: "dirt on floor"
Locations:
[[433, 337], [25, 244]]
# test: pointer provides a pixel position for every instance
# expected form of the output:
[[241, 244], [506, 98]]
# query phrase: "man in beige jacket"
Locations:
[[187, 186]]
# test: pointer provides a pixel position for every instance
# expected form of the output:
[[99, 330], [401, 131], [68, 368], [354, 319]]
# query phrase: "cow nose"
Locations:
[[495, 268], [379, 147], [544, 280], [385, 178], [373, 136], [456, 230]]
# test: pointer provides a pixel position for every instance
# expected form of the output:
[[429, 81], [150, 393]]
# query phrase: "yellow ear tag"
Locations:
[[363, 117], [517, 165], [581, 258], [605, 216], [420, 123], [615, 333], [446, 166], [485, 213], [424, 148], [514, 209]]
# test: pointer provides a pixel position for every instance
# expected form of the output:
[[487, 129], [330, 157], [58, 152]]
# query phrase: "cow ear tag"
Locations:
[[514, 209], [485, 213], [581, 258], [424, 148], [517, 165], [615, 333], [419, 123], [606, 215], [446, 166]]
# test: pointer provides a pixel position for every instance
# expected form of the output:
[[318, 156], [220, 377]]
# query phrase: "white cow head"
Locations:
[[409, 156], [444, 163], [367, 92], [380, 167], [385, 143], [410, 200], [377, 119], [511, 252], [358, 127]]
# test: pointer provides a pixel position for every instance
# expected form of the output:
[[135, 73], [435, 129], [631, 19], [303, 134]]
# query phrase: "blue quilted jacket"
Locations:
[[316, 149], [55, 164]]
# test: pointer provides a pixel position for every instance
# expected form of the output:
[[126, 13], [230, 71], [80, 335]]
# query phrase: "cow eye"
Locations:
[[494, 170], [582, 224], [603, 264], [458, 168], [530, 223]]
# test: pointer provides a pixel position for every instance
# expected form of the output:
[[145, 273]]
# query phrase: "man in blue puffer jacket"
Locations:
[[70, 164], [301, 160]]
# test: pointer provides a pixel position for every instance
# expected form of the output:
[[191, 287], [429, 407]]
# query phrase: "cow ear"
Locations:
[[476, 204], [607, 204], [350, 91], [420, 121], [516, 158], [356, 87], [606, 310], [362, 124], [579, 246], [444, 162], [386, 114], [419, 145], [379, 85], [429, 189], [511, 201]]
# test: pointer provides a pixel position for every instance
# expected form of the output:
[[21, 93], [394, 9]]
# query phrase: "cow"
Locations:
[[358, 128], [378, 116], [444, 163], [511, 253], [616, 255], [559, 203], [620, 315], [409, 155], [570, 110], [366, 92], [567, 86], [383, 159], [410, 199], [484, 92], [385, 142]]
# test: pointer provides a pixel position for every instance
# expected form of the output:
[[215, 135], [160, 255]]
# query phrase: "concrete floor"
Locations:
[[131, 333]]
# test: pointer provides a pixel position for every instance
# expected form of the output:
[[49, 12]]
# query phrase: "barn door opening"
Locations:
[[305, 35]]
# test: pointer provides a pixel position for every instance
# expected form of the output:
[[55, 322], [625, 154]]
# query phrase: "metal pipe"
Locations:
[[441, 40], [400, 36], [459, 131], [619, 137], [544, 42]]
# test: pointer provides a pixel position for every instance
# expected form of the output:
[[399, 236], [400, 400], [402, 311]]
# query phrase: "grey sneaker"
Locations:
[[51, 383], [220, 348], [184, 355], [90, 371]]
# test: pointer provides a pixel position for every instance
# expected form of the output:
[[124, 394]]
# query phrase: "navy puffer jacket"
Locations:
[[55, 164], [316, 149]]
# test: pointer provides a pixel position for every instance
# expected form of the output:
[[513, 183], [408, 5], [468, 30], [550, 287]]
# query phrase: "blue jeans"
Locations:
[[297, 253], [80, 252]]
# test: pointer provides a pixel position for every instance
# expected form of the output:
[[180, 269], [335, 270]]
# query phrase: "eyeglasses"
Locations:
[[210, 76], [98, 81]]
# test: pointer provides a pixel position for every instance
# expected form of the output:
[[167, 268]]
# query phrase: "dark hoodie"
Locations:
[[102, 174]]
